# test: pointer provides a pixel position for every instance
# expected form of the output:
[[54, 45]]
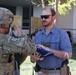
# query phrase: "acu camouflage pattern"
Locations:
[[18, 45], [6, 59], [6, 16], [10, 45]]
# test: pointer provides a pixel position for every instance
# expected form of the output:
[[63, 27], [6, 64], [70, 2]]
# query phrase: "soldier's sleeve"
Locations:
[[18, 45]]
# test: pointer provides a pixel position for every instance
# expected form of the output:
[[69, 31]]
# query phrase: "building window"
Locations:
[[27, 14]]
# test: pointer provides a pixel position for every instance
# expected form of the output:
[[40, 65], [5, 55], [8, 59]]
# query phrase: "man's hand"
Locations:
[[35, 57], [42, 46]]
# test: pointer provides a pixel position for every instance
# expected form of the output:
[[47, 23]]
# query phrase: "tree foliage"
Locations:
[[63, 8]]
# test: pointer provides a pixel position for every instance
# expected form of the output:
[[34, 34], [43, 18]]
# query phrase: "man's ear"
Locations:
[[53, 18]]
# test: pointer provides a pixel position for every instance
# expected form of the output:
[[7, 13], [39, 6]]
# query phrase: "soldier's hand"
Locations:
[[35, 57], [17, 30]]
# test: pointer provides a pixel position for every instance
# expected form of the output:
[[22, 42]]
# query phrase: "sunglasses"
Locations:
[[45, 16]]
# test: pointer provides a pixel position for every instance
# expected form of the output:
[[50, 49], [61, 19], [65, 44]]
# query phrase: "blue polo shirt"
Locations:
[[59, 40]]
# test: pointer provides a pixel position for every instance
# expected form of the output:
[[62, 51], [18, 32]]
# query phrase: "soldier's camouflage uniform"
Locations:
[[10, 45]]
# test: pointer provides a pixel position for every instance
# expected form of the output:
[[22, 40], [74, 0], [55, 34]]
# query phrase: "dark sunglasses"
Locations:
[[45, 16]]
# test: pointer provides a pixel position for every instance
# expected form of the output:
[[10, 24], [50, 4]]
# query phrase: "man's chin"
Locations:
[[4, 32], [44, 25]]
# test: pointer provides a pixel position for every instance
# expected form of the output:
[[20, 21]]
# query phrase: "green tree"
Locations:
[[63, 8]]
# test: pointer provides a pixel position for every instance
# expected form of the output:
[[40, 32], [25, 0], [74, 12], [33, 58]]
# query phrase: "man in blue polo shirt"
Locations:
[[59, 45]]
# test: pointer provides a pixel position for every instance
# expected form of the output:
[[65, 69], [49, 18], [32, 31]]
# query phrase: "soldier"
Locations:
[[9, 44]]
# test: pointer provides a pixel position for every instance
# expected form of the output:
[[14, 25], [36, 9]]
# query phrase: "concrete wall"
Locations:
[[74, 25], [66, 21], [36, 11]]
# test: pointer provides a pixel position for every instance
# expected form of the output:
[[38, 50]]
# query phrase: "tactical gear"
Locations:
[[6, 59], [10, 45], [6, 16], [65, 69], [37, 68]]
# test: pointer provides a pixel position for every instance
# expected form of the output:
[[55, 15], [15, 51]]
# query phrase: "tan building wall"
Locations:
[[65, 21]]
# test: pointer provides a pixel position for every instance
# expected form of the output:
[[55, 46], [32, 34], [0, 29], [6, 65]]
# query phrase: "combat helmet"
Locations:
[[6, 16]]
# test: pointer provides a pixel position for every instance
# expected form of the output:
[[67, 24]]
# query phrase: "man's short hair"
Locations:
[[6, 16], [51, 10]]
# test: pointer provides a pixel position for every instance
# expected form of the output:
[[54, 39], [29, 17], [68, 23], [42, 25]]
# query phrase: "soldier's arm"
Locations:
[[18, 45]]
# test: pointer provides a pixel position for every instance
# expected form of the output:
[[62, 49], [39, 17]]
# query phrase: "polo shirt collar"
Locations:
[[51, 31]]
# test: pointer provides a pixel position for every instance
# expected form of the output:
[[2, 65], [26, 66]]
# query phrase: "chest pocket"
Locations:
[[54, 44]]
